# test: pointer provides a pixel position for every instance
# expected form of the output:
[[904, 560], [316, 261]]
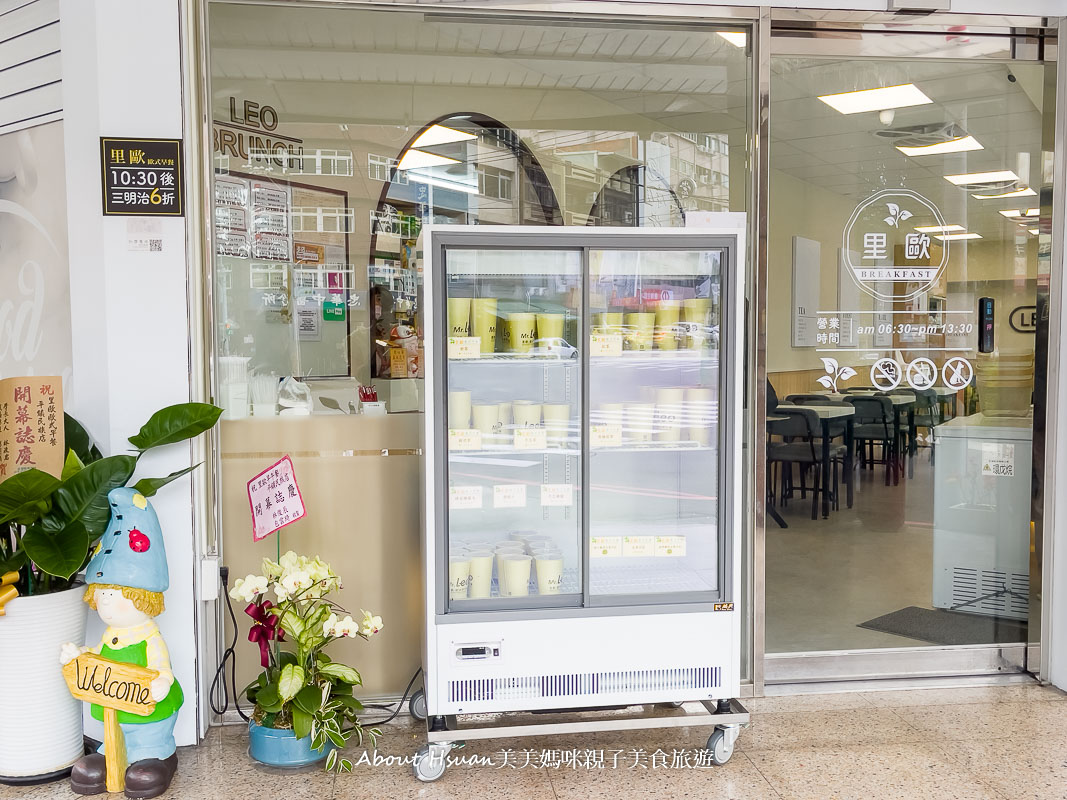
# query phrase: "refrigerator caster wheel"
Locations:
[[720, 746], [675, 704], [417, 705], [429, 763]]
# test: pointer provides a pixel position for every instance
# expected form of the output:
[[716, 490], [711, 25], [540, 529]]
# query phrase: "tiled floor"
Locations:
[[988, 742], [826, 576]]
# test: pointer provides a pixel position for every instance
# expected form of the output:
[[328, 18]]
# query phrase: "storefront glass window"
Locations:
[[340, 133]]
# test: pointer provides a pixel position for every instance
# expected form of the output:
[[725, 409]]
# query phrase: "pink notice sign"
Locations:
[[274, 499]]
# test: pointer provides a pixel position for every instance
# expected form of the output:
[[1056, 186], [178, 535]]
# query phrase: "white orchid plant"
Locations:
[[301, 687]]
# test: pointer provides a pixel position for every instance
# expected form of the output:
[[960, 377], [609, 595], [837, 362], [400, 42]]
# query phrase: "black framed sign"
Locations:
[[142, 177]]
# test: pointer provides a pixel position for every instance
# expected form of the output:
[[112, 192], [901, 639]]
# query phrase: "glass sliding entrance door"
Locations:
[[907, 215]]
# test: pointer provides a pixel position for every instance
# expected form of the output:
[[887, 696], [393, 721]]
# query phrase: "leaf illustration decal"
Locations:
[[826, 381], [894, 209], [830, 364], [846, 373], [905, 214]]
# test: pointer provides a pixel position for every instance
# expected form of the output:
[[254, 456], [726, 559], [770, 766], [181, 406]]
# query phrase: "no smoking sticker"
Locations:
[[886, 374]]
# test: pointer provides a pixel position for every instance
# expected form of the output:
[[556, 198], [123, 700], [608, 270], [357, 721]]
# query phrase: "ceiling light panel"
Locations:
[[439, 134], [1025, 192], [417, 159], [940, 228], [982, 177], [961, 145], [955, 237], [907, 94]]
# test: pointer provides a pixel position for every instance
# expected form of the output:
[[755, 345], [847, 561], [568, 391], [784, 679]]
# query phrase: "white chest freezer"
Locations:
[[982, 473]]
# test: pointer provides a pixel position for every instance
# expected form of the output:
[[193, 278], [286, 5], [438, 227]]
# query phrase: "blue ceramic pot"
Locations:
[[281, 748]]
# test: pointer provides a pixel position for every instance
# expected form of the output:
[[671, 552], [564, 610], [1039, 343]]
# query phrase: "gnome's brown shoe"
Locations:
[[150, 777], [89, 775]]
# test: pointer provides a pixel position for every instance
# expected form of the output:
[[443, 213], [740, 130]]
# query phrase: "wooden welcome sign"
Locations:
[[115, 687]]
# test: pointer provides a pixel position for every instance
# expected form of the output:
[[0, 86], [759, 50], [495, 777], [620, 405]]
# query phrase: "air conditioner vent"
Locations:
[[921, 135], [589, 684], [991, 591]]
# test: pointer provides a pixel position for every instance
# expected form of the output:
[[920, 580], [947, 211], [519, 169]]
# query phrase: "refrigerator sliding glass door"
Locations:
[[654, 457], [514, 467]]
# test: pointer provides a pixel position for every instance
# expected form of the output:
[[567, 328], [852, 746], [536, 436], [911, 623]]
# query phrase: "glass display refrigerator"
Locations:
[[582, 481]]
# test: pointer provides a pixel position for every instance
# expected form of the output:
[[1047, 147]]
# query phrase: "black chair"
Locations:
[[802, 430], [874, 424], [928, 414]]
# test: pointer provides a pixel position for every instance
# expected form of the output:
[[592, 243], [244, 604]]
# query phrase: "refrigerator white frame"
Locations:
[[594, 655]]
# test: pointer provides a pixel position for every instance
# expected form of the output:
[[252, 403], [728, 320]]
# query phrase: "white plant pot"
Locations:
[[41, 732]]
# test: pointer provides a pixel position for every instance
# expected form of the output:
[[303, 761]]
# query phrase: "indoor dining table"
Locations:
[[902, 402]]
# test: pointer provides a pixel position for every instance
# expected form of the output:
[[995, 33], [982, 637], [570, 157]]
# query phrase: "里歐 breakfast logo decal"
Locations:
[[887, 242]]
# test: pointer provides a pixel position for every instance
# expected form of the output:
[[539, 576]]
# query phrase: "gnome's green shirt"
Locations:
[[143, 646]]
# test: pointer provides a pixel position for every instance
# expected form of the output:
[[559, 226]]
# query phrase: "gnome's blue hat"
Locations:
[[131, 551]]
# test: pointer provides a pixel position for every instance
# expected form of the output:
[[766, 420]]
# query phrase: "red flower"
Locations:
[[264, 628]]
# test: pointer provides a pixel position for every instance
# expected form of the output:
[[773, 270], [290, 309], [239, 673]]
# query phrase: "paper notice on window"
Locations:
[[464, 346], [605, 546], [509, 495], [464, 497], [638, 546], [557, 494], [670, 546], [998, 460]]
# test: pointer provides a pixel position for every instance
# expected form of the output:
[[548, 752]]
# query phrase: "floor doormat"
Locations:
[[938, 626]]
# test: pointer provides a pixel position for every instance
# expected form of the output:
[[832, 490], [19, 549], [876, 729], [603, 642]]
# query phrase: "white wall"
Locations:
[[122, 77]]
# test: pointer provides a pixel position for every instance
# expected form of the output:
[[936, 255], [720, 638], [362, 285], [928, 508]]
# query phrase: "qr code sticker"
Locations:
[[155, 245]]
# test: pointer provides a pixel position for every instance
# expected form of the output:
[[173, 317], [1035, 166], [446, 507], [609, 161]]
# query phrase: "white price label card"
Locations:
[[464, 439], [531, 438], [557, 494], [668, 546], [464, 497], [605, 546], [998, 460], [638, 546], [464, 346], [509, 495], [606, 435], [605, 345]]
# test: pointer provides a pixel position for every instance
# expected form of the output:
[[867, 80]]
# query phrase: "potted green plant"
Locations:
[[48, 527], [304, 709]]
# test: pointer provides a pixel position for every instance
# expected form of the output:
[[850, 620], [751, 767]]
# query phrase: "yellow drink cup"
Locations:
[[667, 325], [695, 315], [519, 332], [550, 326], [459, 316], [607, 322], [640, 326], [483, 322]]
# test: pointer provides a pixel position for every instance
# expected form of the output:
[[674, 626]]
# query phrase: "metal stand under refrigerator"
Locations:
[[982, 516], [582, 532]]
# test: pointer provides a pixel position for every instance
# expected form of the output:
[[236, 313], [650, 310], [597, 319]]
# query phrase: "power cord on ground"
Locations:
[[229, 656], [399, 703]]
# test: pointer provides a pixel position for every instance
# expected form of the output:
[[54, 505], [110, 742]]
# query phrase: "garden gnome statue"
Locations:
[[126, 578]]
